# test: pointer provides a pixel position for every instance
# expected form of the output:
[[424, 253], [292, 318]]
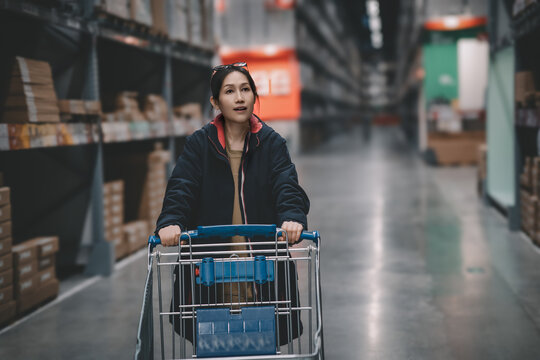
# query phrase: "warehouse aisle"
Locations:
[[413, 267]]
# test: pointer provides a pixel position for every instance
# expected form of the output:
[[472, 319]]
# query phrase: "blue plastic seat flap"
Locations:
[[210, 272], [220, 333]]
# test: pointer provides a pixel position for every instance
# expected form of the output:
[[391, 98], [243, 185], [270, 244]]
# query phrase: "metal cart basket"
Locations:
[[258, 299]]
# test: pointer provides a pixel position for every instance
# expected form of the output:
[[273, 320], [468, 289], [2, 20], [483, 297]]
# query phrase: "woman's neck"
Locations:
[[235, 134]]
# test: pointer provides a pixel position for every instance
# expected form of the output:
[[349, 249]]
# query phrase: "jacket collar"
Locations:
[[218, 123]]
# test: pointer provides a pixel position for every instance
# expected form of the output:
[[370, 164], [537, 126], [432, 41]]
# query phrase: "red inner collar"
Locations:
[[254, 124]]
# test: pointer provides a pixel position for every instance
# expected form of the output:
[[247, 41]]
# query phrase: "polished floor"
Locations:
[[414, 266]]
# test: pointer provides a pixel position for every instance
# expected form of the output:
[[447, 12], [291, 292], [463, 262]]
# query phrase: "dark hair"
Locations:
[[219, 76]]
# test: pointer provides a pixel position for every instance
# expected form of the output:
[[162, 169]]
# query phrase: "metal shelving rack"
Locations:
[[525, 27], [87, 161], [323, 30]]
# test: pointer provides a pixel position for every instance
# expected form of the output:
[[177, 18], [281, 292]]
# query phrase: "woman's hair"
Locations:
[[217, 80]]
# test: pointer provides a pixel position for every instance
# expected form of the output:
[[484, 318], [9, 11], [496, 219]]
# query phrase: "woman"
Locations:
[[235, 170]]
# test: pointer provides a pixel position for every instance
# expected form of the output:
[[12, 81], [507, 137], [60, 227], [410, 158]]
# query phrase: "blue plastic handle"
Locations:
[[233, 230]]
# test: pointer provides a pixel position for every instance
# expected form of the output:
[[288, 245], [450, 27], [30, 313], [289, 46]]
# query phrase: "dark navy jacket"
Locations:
[[200, 190]]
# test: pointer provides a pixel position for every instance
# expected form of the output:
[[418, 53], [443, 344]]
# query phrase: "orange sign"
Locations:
[[276, 74]]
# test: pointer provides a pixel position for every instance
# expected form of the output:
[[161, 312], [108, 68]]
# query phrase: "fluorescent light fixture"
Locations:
[[375, 23], [372, 8], [451, 22], [270, 49]]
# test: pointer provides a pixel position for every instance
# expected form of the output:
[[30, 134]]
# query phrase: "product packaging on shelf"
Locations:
[[34, 272], [31, 95], [141, 11], [113, 215]]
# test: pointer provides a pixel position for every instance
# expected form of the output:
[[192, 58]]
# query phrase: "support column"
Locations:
[[102, 257]]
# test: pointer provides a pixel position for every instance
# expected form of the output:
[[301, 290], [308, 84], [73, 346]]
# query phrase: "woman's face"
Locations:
[[236, 99]]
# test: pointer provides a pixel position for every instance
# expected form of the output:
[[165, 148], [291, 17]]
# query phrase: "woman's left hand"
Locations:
[[293, 229]]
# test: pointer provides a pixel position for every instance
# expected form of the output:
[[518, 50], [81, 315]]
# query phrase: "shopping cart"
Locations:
[[254, 300]]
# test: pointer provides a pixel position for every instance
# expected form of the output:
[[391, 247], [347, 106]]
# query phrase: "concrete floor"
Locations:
[[414, 266]]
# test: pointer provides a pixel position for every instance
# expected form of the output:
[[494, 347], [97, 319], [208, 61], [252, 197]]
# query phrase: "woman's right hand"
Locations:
[[169, 235]]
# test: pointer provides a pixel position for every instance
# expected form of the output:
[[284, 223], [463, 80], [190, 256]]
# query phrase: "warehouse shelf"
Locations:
[[34, 136], [306, 118], [528, 118], [305, 13], [321, 95], [92, 59], [305, 54], [527, 21], [130, 36], [50, 15]]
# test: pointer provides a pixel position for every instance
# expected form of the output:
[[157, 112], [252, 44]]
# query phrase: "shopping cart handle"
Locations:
[[311, 235], [233, 230]]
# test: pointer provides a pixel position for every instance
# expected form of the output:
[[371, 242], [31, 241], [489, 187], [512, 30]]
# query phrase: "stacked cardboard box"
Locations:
[[529, 193], [178, 20], [156, 111], [154, 186], [119, 8], [187, 118], [524, 85], [200, 23], [482, 167], [113, 210], [76, 109], [31, 96], [136, 235], [159, 17], [141, 11], [7, 304], [34, 272], [529, 207]]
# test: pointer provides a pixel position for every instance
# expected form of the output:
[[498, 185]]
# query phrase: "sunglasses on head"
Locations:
[[229, 66]]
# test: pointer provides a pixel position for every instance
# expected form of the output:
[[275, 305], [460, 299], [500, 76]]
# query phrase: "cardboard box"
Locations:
[[46, 276], [178, 20], [25, 271], [141, 11], [17, 116], [46, 262], [460, 148], [6, 294], [119, 8], [48, 290], [93, 107], [113, 233], [46, 245], [4, 195], [26, 287], [32, 71], [6, 262], [24, 253], [115, 209], [136, 235], [159, 16], [8, 312], [75, 107], [6, 278], [5, 245], [120, 247], [524, 83], [5, 213], [114, 187]]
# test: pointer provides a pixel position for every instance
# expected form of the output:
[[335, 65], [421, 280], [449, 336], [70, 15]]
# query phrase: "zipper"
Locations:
[[219, 151]]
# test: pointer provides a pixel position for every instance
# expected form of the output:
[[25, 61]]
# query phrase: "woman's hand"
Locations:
[[293, 229], [169, 235]]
